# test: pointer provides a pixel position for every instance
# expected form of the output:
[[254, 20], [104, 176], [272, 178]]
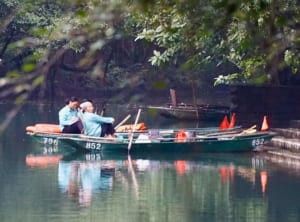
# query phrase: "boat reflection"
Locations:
[[83, 176], [42, 161], [44, 157], [79, 179]]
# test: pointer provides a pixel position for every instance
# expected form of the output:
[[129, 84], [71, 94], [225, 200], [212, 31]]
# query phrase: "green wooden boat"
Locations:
[[222, 142], [184, 111], [52, 139]]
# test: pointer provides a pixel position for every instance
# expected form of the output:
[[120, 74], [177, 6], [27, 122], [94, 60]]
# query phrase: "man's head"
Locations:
[[87, 107], [73, 103]]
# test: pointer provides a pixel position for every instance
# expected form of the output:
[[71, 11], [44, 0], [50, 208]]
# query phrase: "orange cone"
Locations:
[[232, 121], [224, 124], [265, 125]]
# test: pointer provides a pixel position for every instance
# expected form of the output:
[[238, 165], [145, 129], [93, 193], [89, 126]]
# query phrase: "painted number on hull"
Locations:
[[258, 142], [50, 150], [93, 146], [50, 141]]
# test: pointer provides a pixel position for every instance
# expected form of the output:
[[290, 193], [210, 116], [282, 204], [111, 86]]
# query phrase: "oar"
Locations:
[[122, 122], [221, 133], [249, 130], [231, 133], [131, 170], [132, 131]]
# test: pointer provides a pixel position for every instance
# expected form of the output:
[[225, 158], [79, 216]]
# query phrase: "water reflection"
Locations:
[[42, 161], [81, 179], [180, 187], [46, 183], [81, 175]]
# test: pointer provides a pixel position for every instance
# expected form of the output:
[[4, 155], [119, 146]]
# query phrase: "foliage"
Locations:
[[36, 34], [253, 35], [259, 37]]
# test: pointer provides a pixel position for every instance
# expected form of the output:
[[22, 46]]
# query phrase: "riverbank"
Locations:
[[285, 146]]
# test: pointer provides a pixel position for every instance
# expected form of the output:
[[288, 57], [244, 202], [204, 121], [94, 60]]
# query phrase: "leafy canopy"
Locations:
[[259, 37]]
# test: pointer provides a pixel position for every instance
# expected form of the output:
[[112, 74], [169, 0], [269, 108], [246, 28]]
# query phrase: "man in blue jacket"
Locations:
[[94, 124], [69, 120]]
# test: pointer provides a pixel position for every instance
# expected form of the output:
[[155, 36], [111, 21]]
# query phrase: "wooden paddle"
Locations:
[[122, 122], [237, 132], [249, 130], [131, 170], [132, 131]]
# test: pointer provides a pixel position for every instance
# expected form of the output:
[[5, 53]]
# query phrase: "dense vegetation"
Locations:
[[109, 40], [261, 38]]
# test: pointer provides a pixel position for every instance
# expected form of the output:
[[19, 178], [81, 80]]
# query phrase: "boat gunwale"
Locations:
[[159, 140]]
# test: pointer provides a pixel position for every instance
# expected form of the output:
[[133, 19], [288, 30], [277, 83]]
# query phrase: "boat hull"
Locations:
[[169, 141], [223, 144], [191, 113], [52, 139]]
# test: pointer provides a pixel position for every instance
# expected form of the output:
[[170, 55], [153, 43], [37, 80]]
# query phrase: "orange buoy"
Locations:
[[224, 124], [265, 124], [232, 121]]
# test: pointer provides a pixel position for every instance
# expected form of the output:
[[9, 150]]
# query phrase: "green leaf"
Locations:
[[39, 80], [160, 85], [28, 67], [13, 74]]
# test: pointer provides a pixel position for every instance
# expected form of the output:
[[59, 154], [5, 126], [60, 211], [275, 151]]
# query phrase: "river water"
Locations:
[[41, 183]]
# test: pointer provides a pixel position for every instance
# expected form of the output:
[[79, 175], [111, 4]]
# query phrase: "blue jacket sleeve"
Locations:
[[101, 119], [64, 118]]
